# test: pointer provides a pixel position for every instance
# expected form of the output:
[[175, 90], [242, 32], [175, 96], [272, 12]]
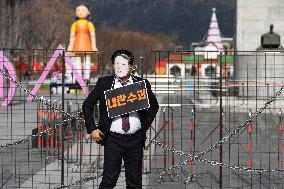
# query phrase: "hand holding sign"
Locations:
[[97, 135]]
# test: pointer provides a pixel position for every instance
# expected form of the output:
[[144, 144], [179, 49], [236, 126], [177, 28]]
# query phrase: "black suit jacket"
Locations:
[[97, 94]]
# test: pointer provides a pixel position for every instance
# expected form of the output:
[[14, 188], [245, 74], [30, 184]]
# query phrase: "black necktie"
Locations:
[[125, 117]]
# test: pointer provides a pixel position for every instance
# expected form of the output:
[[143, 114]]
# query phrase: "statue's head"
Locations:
[[271, 29], [82, 11]]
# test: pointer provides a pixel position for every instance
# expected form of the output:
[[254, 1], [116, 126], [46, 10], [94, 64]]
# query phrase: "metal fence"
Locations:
[[205, 135]]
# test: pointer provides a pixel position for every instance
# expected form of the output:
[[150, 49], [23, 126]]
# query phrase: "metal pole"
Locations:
[[279, 129], [221, 123], [164, 137], [141, 63], [63, 117], [173, 138]]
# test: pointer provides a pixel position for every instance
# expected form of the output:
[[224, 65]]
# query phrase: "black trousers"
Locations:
[[130, 149]]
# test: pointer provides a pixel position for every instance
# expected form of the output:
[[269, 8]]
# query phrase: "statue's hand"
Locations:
[[69, 53], [94, 48]]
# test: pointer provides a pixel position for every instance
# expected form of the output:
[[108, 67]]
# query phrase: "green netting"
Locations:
[[193, 58], [227, 59], [43, 88]]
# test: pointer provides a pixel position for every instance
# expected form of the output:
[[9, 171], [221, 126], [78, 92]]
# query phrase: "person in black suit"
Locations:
[[123, 137]]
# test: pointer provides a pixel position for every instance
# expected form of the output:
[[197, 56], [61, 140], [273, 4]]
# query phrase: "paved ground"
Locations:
[[26, 168], [265, 139], [20, 163]]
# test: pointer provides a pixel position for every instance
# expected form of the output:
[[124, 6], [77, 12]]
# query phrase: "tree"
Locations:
[[31, 24], [9, 21], [41, 24], [111, 39], [45, 24]]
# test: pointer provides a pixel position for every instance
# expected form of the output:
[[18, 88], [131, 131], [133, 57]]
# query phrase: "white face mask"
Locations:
[[121, 67]]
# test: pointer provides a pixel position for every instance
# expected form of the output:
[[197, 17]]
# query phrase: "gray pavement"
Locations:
[[26, 168]]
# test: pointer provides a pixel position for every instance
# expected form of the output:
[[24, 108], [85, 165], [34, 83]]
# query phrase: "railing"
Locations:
[[201, 102]]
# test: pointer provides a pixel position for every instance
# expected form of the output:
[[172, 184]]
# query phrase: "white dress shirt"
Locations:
[[134, 120]]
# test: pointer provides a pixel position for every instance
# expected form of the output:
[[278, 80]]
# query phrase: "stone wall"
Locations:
[[254, 18]]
